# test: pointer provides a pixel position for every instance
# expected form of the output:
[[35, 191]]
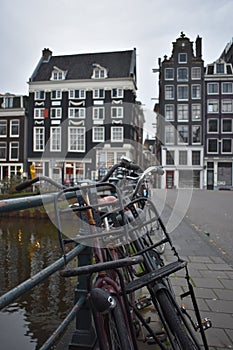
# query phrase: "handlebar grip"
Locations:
[[25, 184]]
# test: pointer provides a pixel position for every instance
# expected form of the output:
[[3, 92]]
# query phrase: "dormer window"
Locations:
[[220, 68], [58, 74], [99, 72]]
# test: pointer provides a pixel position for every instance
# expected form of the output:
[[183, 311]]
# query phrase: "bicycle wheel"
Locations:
[[176, 330], [112, 330]]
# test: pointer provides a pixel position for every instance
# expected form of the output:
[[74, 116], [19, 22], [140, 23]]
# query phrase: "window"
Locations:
[[8, 101], [170, 158], [169, 134], [212, 125], [98, 113], [117, 133], [14, 128], [117, 93], [226, 106], [227, 146], [55, 139], [38, 139], [98, 134], [3, 128], [98, 93], [196, 158], [14, 151], [56, 94], [196, 134], [212, 145], [212, 88], [76, 139], [227, 88], [182, 92], [55, 113], [212, 106], [77, 94], [39, 95], [182, 112], [39, 113], [196, 91], [196, 112], [77, 113], [196, 73], [182, 74], [3, 150], [183, 158], [169, 73], [169, 112], [220, 68], [99, 72], [182, 57], [117, 112], [58, 75], [183, 134], [227, 126], [169, 92]]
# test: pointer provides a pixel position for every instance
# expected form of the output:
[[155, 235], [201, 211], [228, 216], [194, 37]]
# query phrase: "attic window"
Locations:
[[58, 74], [99, 72]]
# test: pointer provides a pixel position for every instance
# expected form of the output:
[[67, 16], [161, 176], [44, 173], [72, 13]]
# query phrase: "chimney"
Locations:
[[198, 47], [46, 54]]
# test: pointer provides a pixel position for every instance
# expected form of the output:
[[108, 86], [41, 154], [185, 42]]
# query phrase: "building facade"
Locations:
[[83, 114], [180, 115], [13, 114], [218, 161]]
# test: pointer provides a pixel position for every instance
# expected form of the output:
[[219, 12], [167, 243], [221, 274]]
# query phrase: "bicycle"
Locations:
[[125, 230]]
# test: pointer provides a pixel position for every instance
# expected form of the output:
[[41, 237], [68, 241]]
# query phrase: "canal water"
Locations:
[[26, 247]]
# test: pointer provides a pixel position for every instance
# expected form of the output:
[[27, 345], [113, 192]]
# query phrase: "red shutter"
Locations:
[[46, 113]]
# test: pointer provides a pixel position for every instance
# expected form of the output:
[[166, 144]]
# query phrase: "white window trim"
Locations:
[[10, 151], [212, 93], [119, 112], [230, 152], [81, 94], [97, 72], [5, 148], [37, 97], [180, 142], [119, 93], [97, 117], [51, 138], [34, 138], [229, 100], [93, 134], [84, 139], [197, 143], [173, 134], [182, 53], [81, 111], [209, 102], [199, 97], [170, 68], [58, 113], [194, 78], [40, 112], [186, 79], [227, 93], [122, 133], [96, 94], [173, 112], [58, 94], [5, 126], [180, 86], [183, 120], [173, 88], [227, 132], [211, 138], [11, 126], [212, 132]]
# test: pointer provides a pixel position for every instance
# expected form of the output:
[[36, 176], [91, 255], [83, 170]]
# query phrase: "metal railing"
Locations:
[[80, 305]]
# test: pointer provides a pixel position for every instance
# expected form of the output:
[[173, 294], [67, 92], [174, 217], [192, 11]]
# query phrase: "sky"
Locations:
[[78, 26]]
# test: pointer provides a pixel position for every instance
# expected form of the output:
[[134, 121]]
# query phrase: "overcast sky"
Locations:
[[79, 26]]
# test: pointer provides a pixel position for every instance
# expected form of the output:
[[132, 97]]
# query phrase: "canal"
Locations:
[[26, 247]]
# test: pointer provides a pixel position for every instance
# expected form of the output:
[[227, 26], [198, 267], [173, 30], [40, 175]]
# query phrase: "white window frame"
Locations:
[[182, 112], [209, 139], [182, 69], [39, 95], [38, 139], [196, 142], [184, 54], [99, 73], [12, 146], [117, 112], [3, 146], [196, 91], [169, 92], [77, 113], [227, 132], [3, 124], [98, 113], [58, 75], [211, 88], [96, 134], [98, 93], [169, 112], [215, 104], [39, 113], [196, 111], [194, 74], [208, 126], [55, 113], [169, 135], [55, 138], [226, 105], [222, 144], [17, 125], [180, 130], [166, 76], [81, 144], [227, 84], [8, 102], [77, 94], [117, 131], [57, 95], [179, 97], [117, 93]]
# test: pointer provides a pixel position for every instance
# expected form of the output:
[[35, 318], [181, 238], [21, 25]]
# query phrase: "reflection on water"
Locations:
[[26, 247]]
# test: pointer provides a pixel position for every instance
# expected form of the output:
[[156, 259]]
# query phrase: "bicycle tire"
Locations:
[[113, 330], [174, 323]]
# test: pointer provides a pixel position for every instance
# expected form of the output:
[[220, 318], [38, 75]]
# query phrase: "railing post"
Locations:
[[84, 336]]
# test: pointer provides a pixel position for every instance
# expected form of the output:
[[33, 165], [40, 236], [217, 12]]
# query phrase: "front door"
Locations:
[[210, 179], [169, 179]]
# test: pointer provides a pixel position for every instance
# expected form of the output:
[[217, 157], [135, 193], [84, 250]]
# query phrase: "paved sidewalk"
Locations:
[[212, 277]]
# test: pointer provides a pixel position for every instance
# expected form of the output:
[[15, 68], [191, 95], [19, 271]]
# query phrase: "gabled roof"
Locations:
[[119, 64]]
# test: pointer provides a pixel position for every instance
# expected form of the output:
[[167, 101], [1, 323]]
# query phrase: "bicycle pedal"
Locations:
[[206, 324], [143, 302]]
